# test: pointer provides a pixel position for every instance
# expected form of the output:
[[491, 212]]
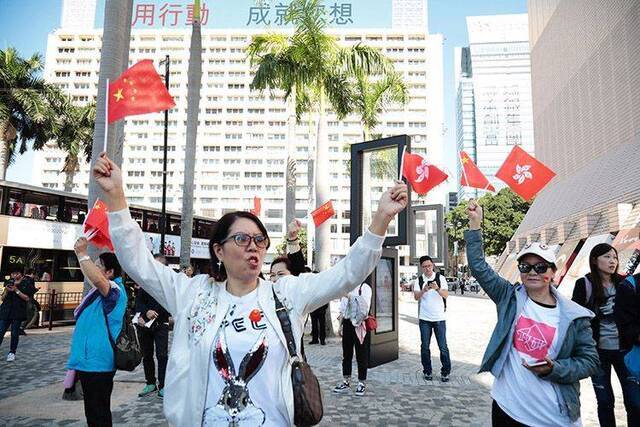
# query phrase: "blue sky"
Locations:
[[25, 24]]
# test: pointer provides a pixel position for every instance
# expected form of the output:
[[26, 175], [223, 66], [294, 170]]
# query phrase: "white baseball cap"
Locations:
[[540, 249]]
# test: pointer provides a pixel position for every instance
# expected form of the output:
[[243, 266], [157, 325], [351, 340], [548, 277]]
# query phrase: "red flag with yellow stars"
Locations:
[[96, 226], [471, 174], [139, 90], [323, 213]]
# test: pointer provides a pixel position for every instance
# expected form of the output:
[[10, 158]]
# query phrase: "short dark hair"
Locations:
[[221, 232], [16, 268], [160, 258], [29, 270], [424, 258], [110, 262], [281, 259]]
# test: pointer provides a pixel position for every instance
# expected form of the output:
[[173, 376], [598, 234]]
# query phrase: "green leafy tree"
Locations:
[[316, 73], [25, 106], [503, 213]]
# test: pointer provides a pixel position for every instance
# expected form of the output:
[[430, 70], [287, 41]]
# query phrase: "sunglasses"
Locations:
[[244, 240], [539, 268]]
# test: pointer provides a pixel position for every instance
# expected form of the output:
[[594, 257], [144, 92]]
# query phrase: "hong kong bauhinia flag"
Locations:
[[422, 175], [323, 213], [524, 174], [139, 90], [471, 174], [96, 226]]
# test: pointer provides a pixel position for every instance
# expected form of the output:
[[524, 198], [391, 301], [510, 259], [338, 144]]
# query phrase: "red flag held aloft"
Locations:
[[524, 174], [422, 175], [323, 213], [96, 226], [471, 174], [257, 206], [139, 90]]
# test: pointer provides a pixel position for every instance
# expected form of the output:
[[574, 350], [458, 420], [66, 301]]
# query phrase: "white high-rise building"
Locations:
[[500, 89], [465, 114], [242, 135]]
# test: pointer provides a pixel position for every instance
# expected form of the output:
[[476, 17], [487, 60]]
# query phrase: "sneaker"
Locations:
[[11, 357], [313, 342], [427, 377], [148, 389], [360, 389], [444, 378], [161, 393], [342, 388]]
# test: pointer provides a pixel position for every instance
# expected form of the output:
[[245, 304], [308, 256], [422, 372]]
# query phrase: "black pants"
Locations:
[[499, 418], [319, 324], [159, 336], [97, 388], [15, 332], [349, 340]]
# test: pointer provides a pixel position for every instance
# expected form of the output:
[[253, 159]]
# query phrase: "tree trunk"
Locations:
[[366, 191], [4, 158], [114, 59], [290, 175], [70, 170], [193, 95], [323, 235]]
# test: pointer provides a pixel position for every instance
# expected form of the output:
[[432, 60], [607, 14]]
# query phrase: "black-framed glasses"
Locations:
[[539, 268], [244, 240]]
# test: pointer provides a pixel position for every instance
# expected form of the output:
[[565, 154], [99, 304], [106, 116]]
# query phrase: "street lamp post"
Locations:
[[163, 214]]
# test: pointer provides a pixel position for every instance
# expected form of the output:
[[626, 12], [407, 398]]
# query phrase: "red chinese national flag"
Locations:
[[96, 226], [422, 175], [139, 90], [323, 213], [471, 174], [524, 174]]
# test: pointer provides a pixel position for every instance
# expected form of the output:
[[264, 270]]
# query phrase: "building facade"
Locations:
[[494, 75], [242, 134], [584, 60]]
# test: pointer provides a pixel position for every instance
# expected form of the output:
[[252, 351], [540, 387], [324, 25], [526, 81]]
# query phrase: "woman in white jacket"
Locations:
[[228, 362]]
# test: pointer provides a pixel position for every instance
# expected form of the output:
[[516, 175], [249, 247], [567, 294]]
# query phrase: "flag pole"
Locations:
[[404, 149], [106, 117]]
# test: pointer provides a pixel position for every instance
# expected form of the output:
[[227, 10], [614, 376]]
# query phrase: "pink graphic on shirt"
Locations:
[[533, 338]]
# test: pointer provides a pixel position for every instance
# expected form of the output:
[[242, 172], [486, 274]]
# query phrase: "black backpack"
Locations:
[[437, 282], [126, 348]]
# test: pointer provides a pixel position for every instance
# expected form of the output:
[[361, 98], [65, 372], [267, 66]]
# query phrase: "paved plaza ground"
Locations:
[[31, 387]]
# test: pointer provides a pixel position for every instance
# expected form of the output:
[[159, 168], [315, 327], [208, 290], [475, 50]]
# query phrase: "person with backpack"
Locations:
[[542, 345], [99, 315], [431, 292], [599, 292], [18, 290], [153, 331], [354, 309]]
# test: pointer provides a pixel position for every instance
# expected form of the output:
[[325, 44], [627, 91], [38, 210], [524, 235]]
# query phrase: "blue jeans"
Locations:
[[15, 332], [604, 392], [426, 329]]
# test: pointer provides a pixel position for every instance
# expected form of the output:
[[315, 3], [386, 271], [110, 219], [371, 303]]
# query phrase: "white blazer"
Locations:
[[193, 303]]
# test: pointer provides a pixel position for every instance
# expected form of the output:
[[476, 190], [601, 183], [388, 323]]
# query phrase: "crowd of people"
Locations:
[[231, 356]]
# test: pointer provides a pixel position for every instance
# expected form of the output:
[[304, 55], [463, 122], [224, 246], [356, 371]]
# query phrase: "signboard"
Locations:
[[627, 243], [23, 232], [258, 14]]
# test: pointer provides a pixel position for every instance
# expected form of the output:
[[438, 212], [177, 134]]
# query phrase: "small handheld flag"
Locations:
[[422, 175], [323, 213], [524, 174]]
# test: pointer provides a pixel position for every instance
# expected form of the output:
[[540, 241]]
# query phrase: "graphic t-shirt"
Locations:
[[519, 392], [608, 339], [244, 335]]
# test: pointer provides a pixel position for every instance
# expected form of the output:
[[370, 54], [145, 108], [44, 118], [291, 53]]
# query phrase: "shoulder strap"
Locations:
[[420, 282], [285, 322], [106, 322], [437, 279], [588, 288], [360, 290], [632, 280]]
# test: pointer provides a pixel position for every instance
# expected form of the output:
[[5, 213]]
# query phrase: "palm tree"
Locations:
[[25, 110], [194, 74], [75, 136], [310, 66]]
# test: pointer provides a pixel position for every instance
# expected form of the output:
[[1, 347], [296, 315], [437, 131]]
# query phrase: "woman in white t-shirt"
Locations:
[[229, 361], [542, 345]]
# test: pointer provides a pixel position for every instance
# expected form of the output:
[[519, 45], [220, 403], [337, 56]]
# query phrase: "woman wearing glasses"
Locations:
[[229, 362], [542, 345]]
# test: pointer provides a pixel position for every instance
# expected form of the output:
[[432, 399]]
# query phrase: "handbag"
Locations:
[[307, 397], [370, 322]]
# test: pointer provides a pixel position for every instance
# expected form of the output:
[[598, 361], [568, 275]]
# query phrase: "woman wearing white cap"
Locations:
[[542, 345]]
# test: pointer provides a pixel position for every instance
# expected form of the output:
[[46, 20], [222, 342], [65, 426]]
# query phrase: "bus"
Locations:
[[39, 226]]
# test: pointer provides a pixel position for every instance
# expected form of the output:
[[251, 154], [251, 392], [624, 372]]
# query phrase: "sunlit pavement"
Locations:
[[31, 387]]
